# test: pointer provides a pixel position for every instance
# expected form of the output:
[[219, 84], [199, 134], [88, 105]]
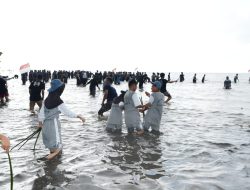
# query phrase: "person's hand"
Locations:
[[81, 118], [5, 143], [40, 125], [147, 93]]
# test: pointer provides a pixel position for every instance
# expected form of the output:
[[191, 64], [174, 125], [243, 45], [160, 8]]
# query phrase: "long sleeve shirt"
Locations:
[[62, 108]]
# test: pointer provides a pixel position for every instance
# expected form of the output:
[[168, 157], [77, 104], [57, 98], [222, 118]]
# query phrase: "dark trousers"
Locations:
[[105, 107]]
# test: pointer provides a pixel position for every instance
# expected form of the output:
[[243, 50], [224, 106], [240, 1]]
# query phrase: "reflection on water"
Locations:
[[137, 156], [204, 143]]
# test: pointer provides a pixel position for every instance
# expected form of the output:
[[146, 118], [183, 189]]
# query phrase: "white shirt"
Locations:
[[136, 100], [151, 99], [62, 108]]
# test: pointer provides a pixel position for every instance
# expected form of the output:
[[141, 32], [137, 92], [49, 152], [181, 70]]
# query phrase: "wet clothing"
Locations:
[[203, 79], [164, 87], [51, 125], [3, 88], [111, 92], [35, 91], [92, 87], [114, 123], [132, 115], [182, 78], [105, 107], [227, 84], [111, 95], [194, 79], [153, 116]]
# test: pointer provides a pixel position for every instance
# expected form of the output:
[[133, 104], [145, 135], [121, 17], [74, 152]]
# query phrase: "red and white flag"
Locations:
[[25, 68]]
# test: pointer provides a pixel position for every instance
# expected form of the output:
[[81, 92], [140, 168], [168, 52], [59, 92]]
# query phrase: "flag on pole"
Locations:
[[136, 68], [25, 68], [114, 70]]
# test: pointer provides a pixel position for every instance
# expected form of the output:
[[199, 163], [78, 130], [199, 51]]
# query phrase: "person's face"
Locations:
[[154, 88], [134, 87]]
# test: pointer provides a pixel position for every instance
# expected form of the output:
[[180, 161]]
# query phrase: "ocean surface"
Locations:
[[204, 144]]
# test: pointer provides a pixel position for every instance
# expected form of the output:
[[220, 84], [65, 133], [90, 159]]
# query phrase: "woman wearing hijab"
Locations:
[[49, 118]]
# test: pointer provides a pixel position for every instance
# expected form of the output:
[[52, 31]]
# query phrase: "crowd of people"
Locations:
[[127, 101]]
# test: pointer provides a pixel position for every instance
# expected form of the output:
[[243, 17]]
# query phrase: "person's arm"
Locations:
[[42, 94], [89, 82], [105, 96], [41, 117], [43, 88], [150, 102], [147, 94], [172, 81], [136, 101], [5, 142], [63, 108]]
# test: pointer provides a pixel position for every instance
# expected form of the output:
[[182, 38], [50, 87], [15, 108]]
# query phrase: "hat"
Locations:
[[55, 84], [157, 84]]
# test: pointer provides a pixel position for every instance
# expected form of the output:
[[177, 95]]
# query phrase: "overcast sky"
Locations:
[[187, 35]]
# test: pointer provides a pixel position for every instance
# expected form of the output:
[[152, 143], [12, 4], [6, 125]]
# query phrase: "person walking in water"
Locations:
[[3, 90], [5, 143], [109, 95], [203, 79], [236, 78], [182, 77], [155, 107], [194, 78], [131, 107], [49, 118], [36, 90], [93, 83], [114, 123], [164, 87], [227, 83]]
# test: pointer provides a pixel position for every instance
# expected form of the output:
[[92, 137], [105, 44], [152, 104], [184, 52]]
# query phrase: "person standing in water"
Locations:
[[131, 107], [164, 87], [36, 90], [194, 78], [24, 78], [169, 77], [93, 83], [155, 107], [109, 95], [114, 123], [203, 79], [182, 77], [49, 118], [5, 143], [3, 90], [227, 83], [236, 78]]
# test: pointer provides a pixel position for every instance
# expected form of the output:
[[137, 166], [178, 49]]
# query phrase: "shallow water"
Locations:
[[205, 143]]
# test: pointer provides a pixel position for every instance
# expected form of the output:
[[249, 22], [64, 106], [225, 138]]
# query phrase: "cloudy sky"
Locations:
[[179, 35]]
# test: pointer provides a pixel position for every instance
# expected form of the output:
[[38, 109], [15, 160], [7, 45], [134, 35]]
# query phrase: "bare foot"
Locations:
[[53, 154], [140, 132]]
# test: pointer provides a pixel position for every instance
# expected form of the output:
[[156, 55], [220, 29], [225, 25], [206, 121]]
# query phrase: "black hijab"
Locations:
[[53, 100]]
